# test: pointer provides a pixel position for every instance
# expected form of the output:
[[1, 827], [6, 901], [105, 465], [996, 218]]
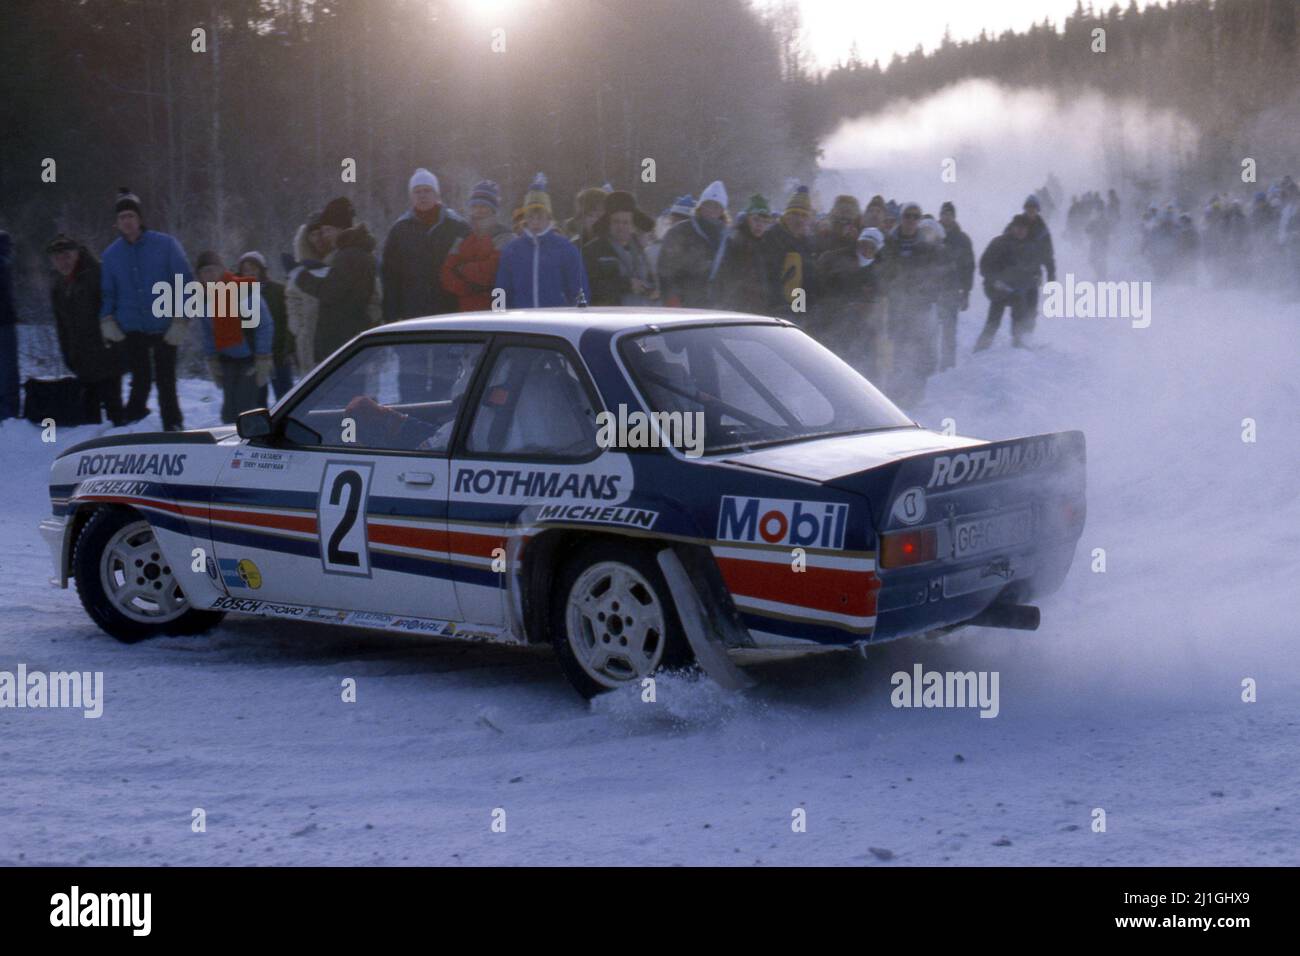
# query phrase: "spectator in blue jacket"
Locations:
[[541, 268], [131, 266], [9, 404], [238, 346]]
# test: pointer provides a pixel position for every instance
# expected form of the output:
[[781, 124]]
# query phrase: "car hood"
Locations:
[[197, 436], [826, 459]]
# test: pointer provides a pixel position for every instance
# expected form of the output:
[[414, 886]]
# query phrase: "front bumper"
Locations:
[[55, 531]]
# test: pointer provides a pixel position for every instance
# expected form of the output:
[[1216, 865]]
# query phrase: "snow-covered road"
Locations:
[[1127, 699]]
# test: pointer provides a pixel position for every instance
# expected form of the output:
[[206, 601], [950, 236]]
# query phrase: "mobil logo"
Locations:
[[816, 524]]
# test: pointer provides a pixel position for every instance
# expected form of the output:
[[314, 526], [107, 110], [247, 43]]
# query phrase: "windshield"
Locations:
[[753, 385]]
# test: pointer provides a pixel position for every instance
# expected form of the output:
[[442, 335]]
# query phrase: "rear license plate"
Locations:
[[992, 532]]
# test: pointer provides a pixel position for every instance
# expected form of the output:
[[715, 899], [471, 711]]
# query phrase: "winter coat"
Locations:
[[344, 293], [225, 334], [910, 273], [959, 260], [8, 314], [579, 236], [543, 271], [282, 346], [740, 283], [411, 265], [686, 261], [127, 276], [1040, 240], [470, 269], [300, 308], [75, 301], [848, 287], [611, 272], [1010, 261], [789, 263]]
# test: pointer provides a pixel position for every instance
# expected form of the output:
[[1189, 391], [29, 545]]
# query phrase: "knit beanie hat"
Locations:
[[485, 193], [683, 206], [422, 177], [758, 206], [537, 197], [252, 256], [799, 201], [947, 207], [208, 258], [126, 200], [714, 192], [846, 207], [338, 213], [872, 234], [61, 243]]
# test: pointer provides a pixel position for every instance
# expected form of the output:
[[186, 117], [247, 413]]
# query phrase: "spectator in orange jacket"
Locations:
[[470, 269]]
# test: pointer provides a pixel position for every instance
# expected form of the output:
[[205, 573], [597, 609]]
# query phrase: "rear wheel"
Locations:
[[127, 585], [613, 622]]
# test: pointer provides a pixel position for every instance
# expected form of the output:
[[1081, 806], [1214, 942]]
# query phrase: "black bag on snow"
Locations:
[[61, 399]]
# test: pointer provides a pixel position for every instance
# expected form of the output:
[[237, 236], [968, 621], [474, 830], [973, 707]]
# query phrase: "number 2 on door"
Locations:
[[341, 518]]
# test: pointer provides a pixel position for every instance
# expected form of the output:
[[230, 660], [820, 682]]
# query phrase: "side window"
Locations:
[[533, 404], [402, 397]]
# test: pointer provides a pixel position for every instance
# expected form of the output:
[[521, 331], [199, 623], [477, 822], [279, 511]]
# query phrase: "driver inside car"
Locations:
[[381, 426]]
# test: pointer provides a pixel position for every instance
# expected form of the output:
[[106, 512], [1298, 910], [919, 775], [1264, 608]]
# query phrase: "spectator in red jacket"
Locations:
[[470, 269]]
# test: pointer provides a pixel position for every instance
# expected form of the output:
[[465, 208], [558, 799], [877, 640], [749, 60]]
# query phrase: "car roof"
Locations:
[[568, 322]]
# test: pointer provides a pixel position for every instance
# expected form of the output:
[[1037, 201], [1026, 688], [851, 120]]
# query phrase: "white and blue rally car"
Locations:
[[454, 477]]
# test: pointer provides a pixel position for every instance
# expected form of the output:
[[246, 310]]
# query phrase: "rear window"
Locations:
[[755, 385]]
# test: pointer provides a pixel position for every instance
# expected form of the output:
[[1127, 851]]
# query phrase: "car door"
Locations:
[[529, 441], [347, 507]]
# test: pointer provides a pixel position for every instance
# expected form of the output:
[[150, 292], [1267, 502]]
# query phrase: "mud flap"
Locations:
[[710, 653]]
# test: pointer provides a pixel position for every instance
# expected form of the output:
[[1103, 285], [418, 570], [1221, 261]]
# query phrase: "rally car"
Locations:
[[638, 488]]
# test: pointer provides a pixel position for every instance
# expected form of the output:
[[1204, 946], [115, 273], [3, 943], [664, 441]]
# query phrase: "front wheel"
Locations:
[[127, 585], [613, 622]]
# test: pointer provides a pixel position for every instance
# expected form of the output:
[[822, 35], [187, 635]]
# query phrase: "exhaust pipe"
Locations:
[[1017, 617]]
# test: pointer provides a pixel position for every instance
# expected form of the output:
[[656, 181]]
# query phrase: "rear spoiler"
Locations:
[[911, 490]]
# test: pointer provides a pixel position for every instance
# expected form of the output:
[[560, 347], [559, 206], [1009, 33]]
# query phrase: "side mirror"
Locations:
[[254, 424]]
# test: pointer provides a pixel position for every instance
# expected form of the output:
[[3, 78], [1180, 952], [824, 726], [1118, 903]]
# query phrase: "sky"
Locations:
[[883, 27]]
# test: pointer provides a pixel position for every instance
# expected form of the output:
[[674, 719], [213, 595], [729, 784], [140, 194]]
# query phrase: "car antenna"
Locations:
[[582, 300]]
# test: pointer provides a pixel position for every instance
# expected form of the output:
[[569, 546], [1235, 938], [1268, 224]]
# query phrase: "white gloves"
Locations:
[[263, 368], [110, 330], [175, 333]]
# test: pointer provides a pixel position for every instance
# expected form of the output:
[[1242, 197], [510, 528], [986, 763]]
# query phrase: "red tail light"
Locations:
[[898, 549]]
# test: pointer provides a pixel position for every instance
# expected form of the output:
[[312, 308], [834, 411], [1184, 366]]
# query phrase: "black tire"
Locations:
[[87, 557], [648, 588]]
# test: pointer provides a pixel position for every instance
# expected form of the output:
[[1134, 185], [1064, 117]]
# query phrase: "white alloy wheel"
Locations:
[[137, 578], [615, 624]]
